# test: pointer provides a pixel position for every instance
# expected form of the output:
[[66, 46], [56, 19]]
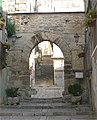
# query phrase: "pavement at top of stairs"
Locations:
[[48, 92]]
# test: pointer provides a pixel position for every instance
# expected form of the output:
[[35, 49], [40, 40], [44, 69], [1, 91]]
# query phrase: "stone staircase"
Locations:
[[44, 71], [46, 107]]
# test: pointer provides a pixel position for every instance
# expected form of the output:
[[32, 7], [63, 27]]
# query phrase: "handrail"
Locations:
[[95, 49]]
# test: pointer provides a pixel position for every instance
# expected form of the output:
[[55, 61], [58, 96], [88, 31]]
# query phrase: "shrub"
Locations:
[[12, 92], [75, 89]]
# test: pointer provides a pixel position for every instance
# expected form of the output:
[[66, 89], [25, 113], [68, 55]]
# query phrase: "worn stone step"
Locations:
[[44, 100], [47, 107], [41, 106], [43, 112], [67, 106]]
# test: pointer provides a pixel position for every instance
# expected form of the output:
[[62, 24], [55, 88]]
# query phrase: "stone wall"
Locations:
[[77, 62], [92, 38], [31, 29]]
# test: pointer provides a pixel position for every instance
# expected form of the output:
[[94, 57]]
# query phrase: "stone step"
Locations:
[[38, 105], [47, 107], [50, 108], [44, 100], [51, 103], [43, 112]]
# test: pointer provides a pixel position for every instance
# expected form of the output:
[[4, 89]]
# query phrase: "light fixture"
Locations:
[[82, 45], [76, 36]]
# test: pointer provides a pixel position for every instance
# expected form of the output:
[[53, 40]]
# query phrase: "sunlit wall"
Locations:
[[22, 6]]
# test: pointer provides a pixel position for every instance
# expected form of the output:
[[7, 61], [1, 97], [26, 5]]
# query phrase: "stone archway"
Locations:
[[52, 37], [31, 29], [18, 62]]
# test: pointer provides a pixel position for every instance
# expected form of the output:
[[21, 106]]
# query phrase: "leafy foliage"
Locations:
[[75, 89], [12, 92], [10, 28], [2, 19], [91, 13], [90, 17], [2, 22], [89, 21]]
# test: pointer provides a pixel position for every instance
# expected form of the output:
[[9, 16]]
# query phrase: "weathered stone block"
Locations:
[[76, 99], [77, 63]]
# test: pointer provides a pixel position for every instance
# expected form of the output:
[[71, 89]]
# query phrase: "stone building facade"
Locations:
[[3, 69], [91, 41], [31, 29]]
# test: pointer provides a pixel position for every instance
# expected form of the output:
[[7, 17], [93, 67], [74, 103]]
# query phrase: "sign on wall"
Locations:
[[79, 75]]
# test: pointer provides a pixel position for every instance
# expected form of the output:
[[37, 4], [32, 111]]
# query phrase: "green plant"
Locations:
[[90, 18], [75, 89], [91, 13], [89, 21], [2, 21], [10, 29], [12, 92]]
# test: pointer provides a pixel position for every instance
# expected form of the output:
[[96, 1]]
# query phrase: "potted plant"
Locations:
[[90, 18], [13, 95], [75, 90]]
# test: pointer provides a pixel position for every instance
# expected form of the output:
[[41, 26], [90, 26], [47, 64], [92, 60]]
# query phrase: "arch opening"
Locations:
[[46, 65]]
